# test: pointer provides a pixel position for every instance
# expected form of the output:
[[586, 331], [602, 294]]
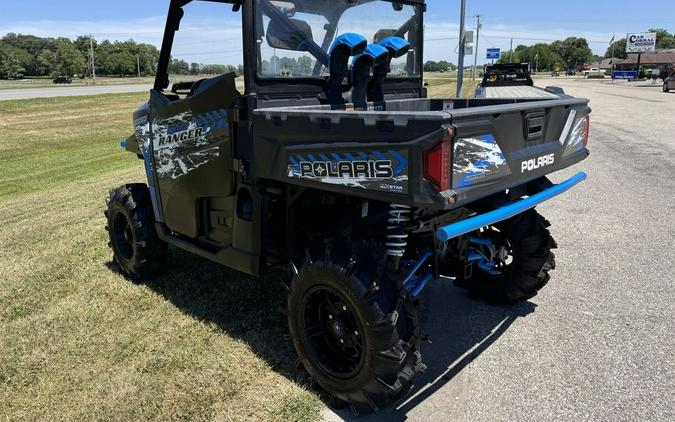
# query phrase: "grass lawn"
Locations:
[[78, 341], [444, 85]]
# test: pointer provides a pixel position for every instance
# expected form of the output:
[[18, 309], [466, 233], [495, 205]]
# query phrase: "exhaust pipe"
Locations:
[[362, 65]]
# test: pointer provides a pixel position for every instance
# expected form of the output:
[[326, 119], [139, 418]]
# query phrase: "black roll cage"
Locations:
[[261, 86]]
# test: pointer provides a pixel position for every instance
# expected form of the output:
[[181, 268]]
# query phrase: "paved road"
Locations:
[[26, 93], [598, 344]]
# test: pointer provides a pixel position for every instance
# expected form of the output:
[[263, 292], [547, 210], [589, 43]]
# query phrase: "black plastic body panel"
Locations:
[[283, 136]]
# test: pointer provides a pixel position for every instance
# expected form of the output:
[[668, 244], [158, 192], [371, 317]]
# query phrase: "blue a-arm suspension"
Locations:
[[415, 285]]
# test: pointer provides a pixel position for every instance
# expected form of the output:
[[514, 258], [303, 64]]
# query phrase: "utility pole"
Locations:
[[138, 65], [462, 46], [511, 53], [91, 56], [475, 56]]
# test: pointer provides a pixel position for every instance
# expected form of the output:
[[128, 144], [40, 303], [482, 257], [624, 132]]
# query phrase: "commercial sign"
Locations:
[[625, 74], [493, 53], [641, 42]]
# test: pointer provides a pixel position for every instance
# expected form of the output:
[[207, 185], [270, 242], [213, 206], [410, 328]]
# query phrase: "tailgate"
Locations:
[[500, 147]]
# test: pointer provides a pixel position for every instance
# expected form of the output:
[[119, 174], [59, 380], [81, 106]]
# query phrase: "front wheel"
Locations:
[[510, 261], [137, 250], [354, 334]]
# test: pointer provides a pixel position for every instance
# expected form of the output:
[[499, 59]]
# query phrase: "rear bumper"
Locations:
[[504, 213]]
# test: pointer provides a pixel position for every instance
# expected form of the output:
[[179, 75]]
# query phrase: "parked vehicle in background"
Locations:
[[511, 80], [63, 80], [669, 82], [594, 73]]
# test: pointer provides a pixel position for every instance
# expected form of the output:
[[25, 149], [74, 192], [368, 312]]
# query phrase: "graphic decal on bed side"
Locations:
[[385, 171], [478, 160]]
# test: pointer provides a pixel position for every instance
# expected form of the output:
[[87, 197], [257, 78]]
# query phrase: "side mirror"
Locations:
[[294, 35]]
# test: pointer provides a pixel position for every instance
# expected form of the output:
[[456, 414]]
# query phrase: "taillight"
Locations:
[[588, 129], [438, 163]]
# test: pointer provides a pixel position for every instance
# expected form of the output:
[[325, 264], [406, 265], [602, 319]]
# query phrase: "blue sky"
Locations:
[[528, 21]]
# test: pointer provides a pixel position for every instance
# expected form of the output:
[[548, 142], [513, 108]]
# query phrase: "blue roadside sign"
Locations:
[[625, 74], [493, 53]]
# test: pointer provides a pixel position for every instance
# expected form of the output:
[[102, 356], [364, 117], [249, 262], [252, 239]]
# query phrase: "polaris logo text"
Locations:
[[537, 163], [380, 169]]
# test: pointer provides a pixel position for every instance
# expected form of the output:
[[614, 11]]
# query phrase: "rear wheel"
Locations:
[[666, 88], [510, 261], [354, 334], [137, 249]]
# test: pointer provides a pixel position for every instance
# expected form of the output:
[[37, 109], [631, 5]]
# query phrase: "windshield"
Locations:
[[307, 29]]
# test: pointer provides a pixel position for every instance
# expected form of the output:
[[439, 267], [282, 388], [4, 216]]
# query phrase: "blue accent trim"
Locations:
[[489, 138], [374, 52], [323, 157], [402, 163], [363, 156], [479, 241], [301, 158], [409, 279], [396, 45], [504, 213], [354, 42], [350, 157], [379, 155], [337, 157], [292, 160], [312, 158], [421, 284]]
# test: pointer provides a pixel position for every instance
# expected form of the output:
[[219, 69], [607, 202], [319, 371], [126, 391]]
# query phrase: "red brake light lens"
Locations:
[[588, 129], [438, 164]]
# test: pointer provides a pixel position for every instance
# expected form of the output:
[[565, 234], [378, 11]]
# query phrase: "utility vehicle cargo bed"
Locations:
[[496, 144]]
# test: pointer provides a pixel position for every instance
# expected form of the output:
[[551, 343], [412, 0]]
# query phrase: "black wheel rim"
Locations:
[[332, 333], [122, 236]]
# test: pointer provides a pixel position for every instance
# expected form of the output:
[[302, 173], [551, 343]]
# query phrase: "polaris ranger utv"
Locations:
[[343, 172]]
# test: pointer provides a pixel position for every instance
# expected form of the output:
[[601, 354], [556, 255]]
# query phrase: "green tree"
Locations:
[[10, 64], [573, 50], [618, 48], [664, 39], [46, 63], [69, 60], [122, 63], [179, 67]]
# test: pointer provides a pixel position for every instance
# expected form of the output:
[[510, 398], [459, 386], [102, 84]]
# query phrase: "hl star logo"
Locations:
[[320, 171]]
